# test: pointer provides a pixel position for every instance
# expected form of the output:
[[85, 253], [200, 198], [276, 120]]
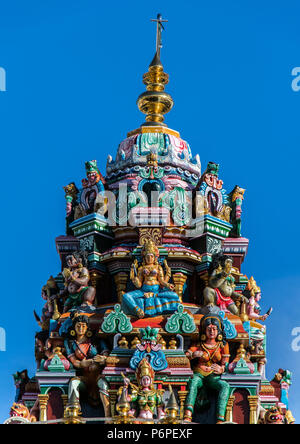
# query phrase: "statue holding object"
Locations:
[[253, 307], [145, 398], [76, 282], [155, 295], [212, 356], [85, 358], [220, 291]]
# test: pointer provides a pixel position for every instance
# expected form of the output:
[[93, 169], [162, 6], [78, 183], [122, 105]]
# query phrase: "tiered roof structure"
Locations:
[[151, 318]]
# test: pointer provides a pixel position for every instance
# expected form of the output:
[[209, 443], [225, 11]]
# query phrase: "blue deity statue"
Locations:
[[155, 295]]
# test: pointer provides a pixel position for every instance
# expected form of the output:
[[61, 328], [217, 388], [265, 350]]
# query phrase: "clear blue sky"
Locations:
[[74, 71]]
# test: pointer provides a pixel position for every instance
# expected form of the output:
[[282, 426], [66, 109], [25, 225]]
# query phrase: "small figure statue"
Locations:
[[273, 415], [19, 413], [76, 282], [253, 307], [236, 197], [150, 299], [145, 397], [71, 196], [50, 310], [281, 383], [84, 357], [93, 174], [20, 380], [92, 186], [40, 346], [221, 287], [212, 355], [257, 348]]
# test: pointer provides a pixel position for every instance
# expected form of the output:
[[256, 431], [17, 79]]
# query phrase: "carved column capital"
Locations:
[[43, 400]]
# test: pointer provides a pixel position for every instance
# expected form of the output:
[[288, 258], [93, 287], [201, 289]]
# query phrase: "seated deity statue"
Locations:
[[84, 357], [220, 291], [76, 282], [155, 295], [211, 356]]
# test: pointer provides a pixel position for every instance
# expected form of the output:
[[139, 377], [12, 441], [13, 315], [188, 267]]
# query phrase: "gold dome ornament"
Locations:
[[155, 102]]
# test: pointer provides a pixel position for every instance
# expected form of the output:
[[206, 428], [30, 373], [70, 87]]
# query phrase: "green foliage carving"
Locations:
[[180, 322], [116, 322]]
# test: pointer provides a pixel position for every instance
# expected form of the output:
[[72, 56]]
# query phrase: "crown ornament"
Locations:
[[144, 369]]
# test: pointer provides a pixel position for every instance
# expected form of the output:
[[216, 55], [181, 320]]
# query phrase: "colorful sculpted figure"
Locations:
[[76, 282], [253, 307], [283, 379], [237, 197], [273, 415], [40, 346], [20, 411], [211, 357], [155, 295], [145, 398], [50, 310], [93, 174], [220, 291], [85, 358], [257, 347], [20, 380]]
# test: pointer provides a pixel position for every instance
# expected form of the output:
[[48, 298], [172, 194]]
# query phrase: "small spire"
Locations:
[[155, 102], [159, 26], [172, 405]]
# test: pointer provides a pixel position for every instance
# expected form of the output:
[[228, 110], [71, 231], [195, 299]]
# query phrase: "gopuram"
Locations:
[[151, 318]]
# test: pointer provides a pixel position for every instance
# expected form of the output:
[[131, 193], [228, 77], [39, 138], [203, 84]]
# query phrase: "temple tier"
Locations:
[[151, 319]]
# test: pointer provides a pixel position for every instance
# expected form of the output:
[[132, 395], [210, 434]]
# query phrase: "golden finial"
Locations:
[[155, 102]]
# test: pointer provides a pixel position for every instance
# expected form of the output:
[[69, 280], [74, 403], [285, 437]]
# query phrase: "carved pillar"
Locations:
[[43, 400], [238, 305], [182, 394], [65, 402], [179, 281], [253, 404], [243, 315], [95, 277], [121, 283], [113, 394], [228, 415]]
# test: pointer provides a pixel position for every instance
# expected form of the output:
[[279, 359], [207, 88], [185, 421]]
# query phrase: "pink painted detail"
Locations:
[[68, 208], [222, 302], [117, 249], [179, 144], [232, 366], [126, 146], [213, 181], [65, 362], [179, 371], [148, 346], [117, 371], [238, 211], [182, 249], [173, 181], [131, 181]]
